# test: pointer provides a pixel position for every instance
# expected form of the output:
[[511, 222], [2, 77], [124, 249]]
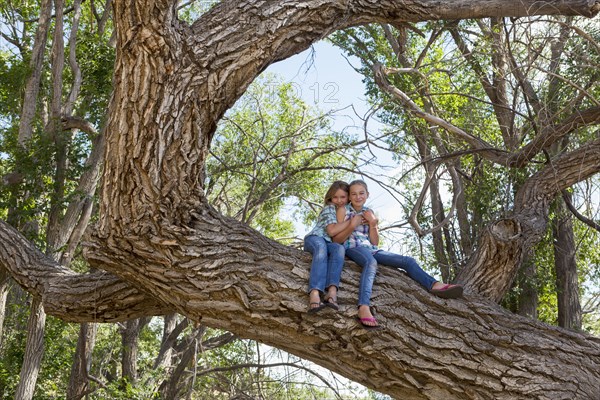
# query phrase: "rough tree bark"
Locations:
[[130, 334], [567, 280], [164, 249], [79, 382], [34, 350]]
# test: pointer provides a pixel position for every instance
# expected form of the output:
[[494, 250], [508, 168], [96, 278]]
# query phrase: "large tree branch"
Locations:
[[93, 297], [225, 274], [291, 27], [255, 288], [588, 221], [560, 173]]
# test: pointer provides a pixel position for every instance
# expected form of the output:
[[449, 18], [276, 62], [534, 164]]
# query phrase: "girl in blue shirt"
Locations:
[[328, 257]]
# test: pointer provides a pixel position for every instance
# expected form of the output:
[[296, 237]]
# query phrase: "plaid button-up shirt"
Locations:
[[326, 217], [360, 236]]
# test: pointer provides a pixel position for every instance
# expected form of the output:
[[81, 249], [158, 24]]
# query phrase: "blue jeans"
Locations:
[[327, 262], [368, 261]]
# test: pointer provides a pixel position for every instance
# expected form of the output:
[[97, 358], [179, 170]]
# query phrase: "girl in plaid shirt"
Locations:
[[361, 238], [328, 257]]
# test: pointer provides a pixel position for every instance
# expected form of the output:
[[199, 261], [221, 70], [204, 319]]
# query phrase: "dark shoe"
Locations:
[[448, 291], [319, 307], [331, 301], [369, 327]]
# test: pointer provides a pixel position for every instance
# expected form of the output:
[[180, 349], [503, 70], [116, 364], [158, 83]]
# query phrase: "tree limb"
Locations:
[[94, 297], [588, 221]]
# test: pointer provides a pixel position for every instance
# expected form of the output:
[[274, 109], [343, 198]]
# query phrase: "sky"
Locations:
[[323, 77]]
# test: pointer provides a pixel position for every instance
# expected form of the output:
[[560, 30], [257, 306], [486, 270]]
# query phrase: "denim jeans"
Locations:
[[327, 262], [368, 261]]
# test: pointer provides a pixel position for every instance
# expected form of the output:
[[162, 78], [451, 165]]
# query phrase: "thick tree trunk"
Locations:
[[567, 278], [172, 252]]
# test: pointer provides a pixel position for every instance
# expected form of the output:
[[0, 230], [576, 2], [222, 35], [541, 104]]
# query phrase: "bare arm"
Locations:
[[348, 229], [335, 229]]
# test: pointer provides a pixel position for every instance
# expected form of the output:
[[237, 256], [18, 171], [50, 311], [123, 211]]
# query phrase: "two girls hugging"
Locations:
[[346, 227]]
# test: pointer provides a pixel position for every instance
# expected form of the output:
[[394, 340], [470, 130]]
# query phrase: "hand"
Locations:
[[370, 218], [356, 220]]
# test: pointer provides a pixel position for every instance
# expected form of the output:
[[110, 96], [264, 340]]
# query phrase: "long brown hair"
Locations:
[[335, 186]]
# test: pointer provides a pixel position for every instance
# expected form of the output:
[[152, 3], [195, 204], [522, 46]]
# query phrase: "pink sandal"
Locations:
[[448, 291], [366, 326]]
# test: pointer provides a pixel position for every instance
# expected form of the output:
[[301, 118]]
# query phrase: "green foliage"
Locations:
[[26, 203], [122, 389], [272, 150], [56, 363], [192, 10], [13, 73], [12, 347], [96, 60], [587, 258]]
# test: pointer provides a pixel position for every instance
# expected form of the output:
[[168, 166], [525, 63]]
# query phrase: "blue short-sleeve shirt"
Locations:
[[326, 217]]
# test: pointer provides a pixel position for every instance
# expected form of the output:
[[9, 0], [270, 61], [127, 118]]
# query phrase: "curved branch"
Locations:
[[560, 174], [419, 204], [73, 122], [291, 27], [588, 221], [503, 245], [272, 365], [517, 159], [485, 149]]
